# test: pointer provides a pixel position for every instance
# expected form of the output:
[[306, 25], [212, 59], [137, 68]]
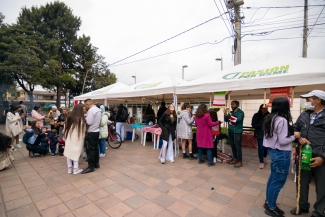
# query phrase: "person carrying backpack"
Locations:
[[121, 117]]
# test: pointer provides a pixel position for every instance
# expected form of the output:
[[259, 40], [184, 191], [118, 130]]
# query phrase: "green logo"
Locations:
[[260, 73], [145, 86]]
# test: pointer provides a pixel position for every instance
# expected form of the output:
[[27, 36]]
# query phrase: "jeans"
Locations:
[[53, 148], [169, 156], [102, 146], [262, 151], [279, 172], [46, 146], [209, 153], [235, 143], [120, 129], [91, 141]]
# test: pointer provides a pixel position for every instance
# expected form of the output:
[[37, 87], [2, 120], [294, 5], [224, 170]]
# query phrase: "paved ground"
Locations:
[[131, 182]]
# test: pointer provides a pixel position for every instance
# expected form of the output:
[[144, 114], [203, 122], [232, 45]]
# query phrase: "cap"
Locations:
[[318, 93]]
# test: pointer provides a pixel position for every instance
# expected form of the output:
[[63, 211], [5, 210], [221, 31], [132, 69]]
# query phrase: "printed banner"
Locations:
[[280, 92], [219, 100]]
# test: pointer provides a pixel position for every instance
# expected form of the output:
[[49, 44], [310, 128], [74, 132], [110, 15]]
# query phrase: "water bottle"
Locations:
[[306, 155]]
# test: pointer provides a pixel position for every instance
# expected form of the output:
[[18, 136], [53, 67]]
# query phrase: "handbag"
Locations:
[[16, 129]]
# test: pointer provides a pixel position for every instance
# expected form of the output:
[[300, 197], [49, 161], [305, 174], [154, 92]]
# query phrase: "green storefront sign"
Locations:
[[259, 73]]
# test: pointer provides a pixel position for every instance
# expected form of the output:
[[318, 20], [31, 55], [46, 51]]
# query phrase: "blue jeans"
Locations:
[[209, 153], [53, 148], [46, 146], [120, 129], [235, 143], [262, 151], [279, 172], [102, 146]]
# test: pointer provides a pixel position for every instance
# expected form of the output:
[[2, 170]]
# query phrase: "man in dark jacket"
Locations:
[[257, 123], [121, 118], [161, 110], [235, 129], [311, 125]]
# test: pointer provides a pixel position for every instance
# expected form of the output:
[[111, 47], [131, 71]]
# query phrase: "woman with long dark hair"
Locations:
[[168, 123], [278, 137], [204, 133], [257, 123], [74, 132], [34, 139], [5, 154]]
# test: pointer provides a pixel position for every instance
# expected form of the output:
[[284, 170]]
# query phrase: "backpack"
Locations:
[[124, 114], [26, 137]]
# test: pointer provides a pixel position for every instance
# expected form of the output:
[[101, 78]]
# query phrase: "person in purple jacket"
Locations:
[[278, 137], [204, 133]]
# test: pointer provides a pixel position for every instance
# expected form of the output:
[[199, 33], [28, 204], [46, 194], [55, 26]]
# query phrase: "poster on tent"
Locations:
[[280, 92], [219, 100]]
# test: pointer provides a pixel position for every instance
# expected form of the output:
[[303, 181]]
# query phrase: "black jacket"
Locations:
[[119, 113], [257, 123], [314, 133], [167, 126], [160, 112]]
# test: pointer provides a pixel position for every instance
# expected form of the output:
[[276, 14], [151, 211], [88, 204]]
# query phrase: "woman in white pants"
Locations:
[[74, 132], [167, 123]]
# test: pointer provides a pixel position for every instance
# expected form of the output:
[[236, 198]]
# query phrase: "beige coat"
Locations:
[[74, 144], [13, 125]]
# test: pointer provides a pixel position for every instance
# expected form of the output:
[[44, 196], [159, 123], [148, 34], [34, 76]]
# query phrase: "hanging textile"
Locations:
[[219, 100], [280, 92]]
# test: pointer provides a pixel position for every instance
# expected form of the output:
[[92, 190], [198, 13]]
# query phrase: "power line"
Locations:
[[263, 16], [281, 16], [198, 45], [167, 39], [298, 6], [222, 17], [272, 39], [278, 29], [315, 22]]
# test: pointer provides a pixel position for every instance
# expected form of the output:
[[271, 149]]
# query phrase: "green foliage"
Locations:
[[43, 49]]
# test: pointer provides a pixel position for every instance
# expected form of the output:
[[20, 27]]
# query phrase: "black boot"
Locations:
[[185, 156], [88, 170], [192, 157], [97, 166]]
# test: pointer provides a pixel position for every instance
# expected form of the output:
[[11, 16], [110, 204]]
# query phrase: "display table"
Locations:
[[138, 126], [156, 131], [248, 140]]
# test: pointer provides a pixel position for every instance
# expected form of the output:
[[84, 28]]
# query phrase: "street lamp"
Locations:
[[185, 66], [135, 78], [220, 59]]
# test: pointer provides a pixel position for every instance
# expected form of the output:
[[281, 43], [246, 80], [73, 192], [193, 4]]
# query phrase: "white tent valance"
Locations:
[[267, 73], [101, 93]]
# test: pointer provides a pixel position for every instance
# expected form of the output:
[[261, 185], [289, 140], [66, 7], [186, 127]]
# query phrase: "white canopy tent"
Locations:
[[101, 93], [302, 73], [162, 87]]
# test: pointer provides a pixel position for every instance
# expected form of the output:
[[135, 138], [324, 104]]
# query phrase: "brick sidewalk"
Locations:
[[132, 182]]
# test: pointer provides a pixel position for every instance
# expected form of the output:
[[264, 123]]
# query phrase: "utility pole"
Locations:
[[305, 31], [237, 45]]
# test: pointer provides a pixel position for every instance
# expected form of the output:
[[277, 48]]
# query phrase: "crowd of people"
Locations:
[[85, 128]]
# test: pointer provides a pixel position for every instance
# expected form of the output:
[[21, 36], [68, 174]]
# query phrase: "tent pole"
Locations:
[[292, 95], [264, 105]]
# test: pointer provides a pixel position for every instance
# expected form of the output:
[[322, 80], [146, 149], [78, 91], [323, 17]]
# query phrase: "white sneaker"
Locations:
[[162, 161], [19, 146], [77, 171]]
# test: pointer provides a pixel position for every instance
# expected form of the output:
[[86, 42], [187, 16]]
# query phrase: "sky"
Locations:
[[122, 28]]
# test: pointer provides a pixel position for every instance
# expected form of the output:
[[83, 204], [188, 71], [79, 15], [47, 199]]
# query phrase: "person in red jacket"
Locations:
[[204, 133]]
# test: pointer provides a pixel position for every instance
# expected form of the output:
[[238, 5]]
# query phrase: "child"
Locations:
[[44, 139], [53, 141], [61, 147]]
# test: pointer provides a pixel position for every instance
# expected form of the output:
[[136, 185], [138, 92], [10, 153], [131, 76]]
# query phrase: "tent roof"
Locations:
[[160, 85], [101, 93], [267, 72]]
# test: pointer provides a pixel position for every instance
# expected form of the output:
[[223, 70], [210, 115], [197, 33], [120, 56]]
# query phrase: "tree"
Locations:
[[57, 24], [20, 57]]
